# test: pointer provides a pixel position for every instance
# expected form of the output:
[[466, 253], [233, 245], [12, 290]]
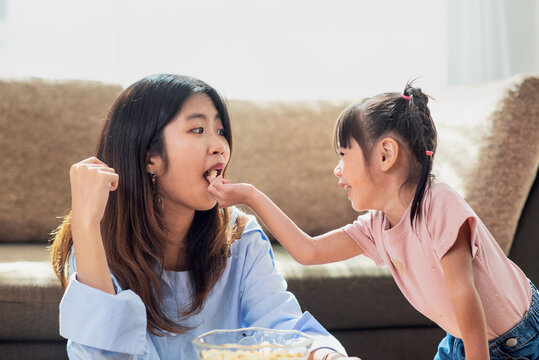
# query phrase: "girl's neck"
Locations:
[[177, 224], [396, 205]]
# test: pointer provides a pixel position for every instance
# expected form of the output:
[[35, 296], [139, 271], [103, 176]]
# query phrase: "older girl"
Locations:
[[147, 258]]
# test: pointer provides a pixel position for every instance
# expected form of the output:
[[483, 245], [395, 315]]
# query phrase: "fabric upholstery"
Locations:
[[46, 127], [489, 148], [402, 343], [29, 298], [352, 294], [526, 243], [285, 149], [31, 350]]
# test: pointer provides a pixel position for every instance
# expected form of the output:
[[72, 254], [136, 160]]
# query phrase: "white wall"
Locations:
[[278, 49], [492, 39]]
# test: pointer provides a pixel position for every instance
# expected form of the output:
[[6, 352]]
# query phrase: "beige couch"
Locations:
[[488, 150]]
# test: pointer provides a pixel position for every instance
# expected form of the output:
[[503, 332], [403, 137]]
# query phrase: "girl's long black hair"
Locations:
[[132, 228]]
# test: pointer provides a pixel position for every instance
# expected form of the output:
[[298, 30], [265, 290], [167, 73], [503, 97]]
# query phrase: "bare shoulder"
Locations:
[[240, 222]]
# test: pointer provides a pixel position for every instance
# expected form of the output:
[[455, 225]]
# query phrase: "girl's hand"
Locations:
[[91, 182], [328, 354], [228, 194]]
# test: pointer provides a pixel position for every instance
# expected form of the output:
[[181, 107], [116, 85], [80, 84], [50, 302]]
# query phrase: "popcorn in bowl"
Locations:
[[253, 343]]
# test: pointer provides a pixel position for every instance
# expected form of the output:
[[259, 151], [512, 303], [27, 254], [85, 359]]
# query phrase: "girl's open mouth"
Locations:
[[212, 173]]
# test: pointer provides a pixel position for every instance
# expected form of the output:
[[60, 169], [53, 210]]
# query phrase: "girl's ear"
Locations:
[[152, 163], [387, 153]]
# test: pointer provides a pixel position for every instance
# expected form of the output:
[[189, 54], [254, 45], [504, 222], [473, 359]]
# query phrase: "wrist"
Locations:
[[81, 226], [252, 196]]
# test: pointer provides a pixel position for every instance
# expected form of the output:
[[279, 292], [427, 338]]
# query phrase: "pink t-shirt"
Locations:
[[413, 255]]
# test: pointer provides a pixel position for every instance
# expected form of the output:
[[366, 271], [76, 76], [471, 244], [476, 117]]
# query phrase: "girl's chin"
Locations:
[[208, 205], [357, 207]]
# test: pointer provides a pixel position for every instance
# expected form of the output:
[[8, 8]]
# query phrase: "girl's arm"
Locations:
[[91, 181], [459, 280], [333, 246], [99, 323]]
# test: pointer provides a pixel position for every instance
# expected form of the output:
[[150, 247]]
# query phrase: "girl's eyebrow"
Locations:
[[196, 116], [202, 116]]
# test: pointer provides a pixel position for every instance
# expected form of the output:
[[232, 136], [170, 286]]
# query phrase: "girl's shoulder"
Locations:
[[368, 225], [242, 224], [441, 187], [442, 194], [247, 239], [445, 208]]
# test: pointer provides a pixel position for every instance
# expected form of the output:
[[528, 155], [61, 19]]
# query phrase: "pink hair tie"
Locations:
[[406, 97], [428, 153]]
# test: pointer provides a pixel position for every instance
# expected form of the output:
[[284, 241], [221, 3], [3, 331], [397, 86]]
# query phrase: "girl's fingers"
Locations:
[[106, 170], [102, 170], [214, 191], [93, 160], [113, 181], [98, 167], [215, 181]]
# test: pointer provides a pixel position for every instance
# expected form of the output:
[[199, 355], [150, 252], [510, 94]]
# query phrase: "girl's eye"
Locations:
[[199, 130], [341, 154], [221, 132]]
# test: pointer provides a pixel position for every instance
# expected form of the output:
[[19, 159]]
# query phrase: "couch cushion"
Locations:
[[29, 294], [46, 127], [351, 294], [285, 149], [31, 350]]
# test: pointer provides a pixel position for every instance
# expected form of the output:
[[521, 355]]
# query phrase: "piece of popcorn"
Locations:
[[212, 173]]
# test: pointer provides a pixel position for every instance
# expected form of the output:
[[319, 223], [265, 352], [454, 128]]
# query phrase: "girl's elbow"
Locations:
[[305, 254], [305, 258], [304, 261]]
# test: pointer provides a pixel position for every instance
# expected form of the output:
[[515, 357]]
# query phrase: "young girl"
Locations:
[[157, 262], [441, 255]]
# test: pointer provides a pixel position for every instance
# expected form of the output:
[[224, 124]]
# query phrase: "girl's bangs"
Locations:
[[346, 126]]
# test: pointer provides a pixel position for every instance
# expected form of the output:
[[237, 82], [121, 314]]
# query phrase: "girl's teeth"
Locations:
[[212, 173]]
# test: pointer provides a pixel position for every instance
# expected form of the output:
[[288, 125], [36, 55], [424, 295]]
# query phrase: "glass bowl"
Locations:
[[253, 343]]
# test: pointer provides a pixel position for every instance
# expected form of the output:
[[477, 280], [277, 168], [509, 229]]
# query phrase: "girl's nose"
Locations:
[[338, 170], [218, 145]]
